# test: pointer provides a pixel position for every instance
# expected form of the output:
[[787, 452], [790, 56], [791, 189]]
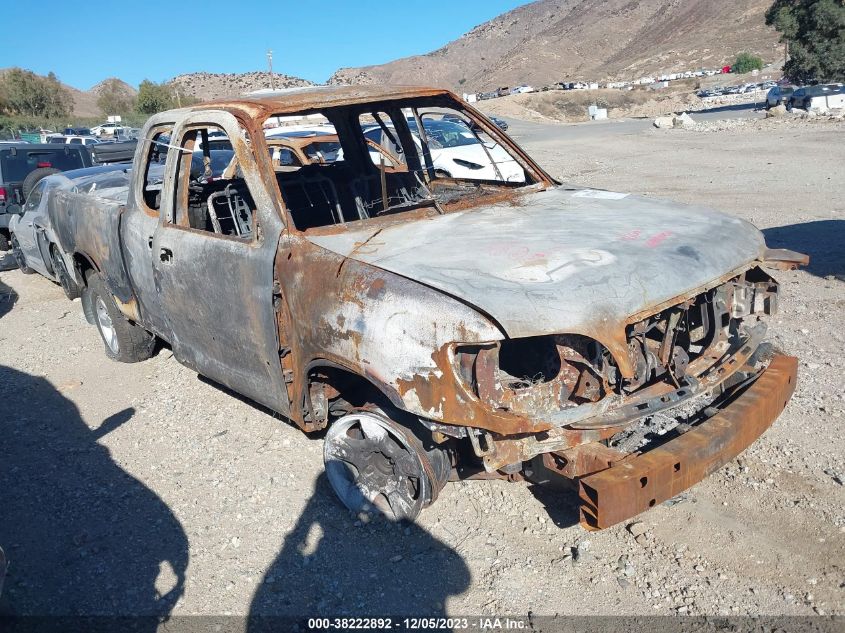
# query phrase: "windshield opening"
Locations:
[[358, 162]]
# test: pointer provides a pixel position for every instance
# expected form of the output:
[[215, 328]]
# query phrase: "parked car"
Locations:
[[778, 95], [431, 326], [503, 125], [802, 97], [109, 152], [34, 243], [457, 151], [73, 140], [22, 165], [108, 129], [77, 131], [296, 148]]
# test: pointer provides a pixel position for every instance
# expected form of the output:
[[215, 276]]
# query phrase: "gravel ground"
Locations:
[[144, 489]]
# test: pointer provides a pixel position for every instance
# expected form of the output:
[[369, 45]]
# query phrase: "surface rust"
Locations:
[[639, 483], [385, 299]]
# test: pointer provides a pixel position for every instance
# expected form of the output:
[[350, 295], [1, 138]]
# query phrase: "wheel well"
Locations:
[[83, 265], [333, 391]]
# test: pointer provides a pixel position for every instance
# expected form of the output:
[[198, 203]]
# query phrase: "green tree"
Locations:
[[153, 97], [22, 92], [814, 31], [115, 97], [746, 62]]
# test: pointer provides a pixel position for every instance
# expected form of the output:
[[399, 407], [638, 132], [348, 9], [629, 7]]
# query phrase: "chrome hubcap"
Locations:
[[106, 326], [371, 466]]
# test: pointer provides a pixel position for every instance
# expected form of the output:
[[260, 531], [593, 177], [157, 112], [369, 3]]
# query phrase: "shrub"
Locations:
[[746, 62]]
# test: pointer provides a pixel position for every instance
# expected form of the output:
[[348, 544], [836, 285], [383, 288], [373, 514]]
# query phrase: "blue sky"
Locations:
[[89, 40]]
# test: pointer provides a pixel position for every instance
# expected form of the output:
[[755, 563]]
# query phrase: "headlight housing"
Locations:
[[536, 375]]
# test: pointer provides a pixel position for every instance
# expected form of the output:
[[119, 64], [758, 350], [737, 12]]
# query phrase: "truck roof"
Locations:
[[290, 100]]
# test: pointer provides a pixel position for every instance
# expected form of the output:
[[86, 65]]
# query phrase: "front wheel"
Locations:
[[376, 464], [124, 341]]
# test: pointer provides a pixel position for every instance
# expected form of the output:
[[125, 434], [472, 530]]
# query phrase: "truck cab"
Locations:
[[489, 322]]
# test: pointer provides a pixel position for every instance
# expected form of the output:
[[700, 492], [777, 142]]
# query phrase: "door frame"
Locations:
[[254, 289]]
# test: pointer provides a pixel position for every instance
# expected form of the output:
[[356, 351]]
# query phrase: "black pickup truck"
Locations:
[[22, 165]]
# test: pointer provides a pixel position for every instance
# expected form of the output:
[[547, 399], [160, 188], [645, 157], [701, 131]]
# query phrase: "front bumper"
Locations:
[[640, 482]]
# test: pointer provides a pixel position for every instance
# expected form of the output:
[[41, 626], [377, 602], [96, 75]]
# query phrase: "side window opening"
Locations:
[[211, 194], [157, 148]]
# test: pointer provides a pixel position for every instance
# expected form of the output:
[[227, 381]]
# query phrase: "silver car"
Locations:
[[34, 244], [778, 95]]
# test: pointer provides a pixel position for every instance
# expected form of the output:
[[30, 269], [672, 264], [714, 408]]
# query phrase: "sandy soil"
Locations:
[[144, 489]]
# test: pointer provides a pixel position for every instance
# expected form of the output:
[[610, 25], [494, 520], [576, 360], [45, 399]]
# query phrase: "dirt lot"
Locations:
[[144, 489], [570, 106]]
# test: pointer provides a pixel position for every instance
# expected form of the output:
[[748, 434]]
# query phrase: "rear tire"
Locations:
[[124, 341], [17, 253], [33, 177]]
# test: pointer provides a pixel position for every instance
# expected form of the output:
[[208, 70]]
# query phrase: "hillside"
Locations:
[[554, 40], [205, 86]]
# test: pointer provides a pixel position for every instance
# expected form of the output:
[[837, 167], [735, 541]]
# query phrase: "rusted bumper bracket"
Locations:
[[639, 483]]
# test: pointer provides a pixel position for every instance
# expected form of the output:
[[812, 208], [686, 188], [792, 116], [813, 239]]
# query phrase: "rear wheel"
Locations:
[[17, 253], [124, 341], [377, 465]]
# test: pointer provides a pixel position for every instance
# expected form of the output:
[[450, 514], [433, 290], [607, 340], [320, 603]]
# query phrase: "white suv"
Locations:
[[107, 129], [74, 140]]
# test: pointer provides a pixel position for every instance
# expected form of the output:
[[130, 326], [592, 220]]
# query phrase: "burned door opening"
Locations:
[[216, 243]]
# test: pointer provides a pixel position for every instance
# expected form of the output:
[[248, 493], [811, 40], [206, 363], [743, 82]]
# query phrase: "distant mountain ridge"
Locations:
[[539, 43], [555, 40], [206, 86]]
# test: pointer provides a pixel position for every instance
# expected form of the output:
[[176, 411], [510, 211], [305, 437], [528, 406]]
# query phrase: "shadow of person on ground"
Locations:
[[329, 566], [82, 536], [822, 240], [7, 260], [8, 298]]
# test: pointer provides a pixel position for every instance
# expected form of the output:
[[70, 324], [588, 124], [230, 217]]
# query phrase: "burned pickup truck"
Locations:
[[436, 324]]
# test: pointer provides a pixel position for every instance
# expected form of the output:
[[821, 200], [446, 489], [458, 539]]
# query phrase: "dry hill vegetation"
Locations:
[[554, 40], [206, 86]]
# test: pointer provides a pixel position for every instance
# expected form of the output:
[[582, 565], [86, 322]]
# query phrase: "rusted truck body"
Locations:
[[436, 327]]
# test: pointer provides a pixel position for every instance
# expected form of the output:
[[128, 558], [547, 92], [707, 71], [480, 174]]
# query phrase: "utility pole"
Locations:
[[270, 64]]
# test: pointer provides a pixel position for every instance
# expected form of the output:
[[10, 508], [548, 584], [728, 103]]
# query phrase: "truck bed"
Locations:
[[86, 218]]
